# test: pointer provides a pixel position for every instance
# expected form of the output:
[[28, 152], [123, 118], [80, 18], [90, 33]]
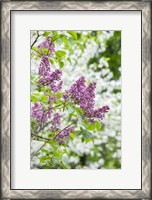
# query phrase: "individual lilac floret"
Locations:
[[48, 45], [56, 122], [65, 134]]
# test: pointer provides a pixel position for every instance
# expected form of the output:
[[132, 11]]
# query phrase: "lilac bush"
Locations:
[[59, 115]]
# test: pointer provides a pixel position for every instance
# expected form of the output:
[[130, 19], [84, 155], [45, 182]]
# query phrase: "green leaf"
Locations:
[[45, 34], [61, 64], [82, 139], [68, 59], [44, 158], [62, 165], [70, 108], [46, 151], [58, 95], [45, 51], [88, 140], [91, 127], [97, 125], [44, 98], [64, 39], [53, 144], [86, 135], [35, 48], [66, 152], [51, 61], [81, 128], [37, 94], [34, 99], [73, 34], [56, 60], [57, 153], [72, 136], [107, 59], [55, 33], [60, 54], [80, 116]]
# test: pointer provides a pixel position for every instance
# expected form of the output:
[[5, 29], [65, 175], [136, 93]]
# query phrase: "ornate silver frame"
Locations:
[[145, 8]]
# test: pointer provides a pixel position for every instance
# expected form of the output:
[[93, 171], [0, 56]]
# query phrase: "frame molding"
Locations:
[[6, 8]]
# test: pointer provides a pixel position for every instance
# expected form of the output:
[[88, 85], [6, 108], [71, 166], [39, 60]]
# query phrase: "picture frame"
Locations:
[[9, 6]]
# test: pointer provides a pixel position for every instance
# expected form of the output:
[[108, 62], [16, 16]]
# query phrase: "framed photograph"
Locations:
[[76, 82]]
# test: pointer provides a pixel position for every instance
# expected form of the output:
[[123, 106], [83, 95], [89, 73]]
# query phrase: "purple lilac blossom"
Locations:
[[85, 96], [47, 115], [56, 87], [52, 98], [44, 67], [47, 44], [37, 111], [52, 79], [56, 122], [39, 114], [65, 134], [100, 112]]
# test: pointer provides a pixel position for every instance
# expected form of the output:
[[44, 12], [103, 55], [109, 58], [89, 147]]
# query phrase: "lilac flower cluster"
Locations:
[[44, 67], [100, 112], [37, 111], [39, 114], [56, 122], [52, 98], [47, 44], [53, 80], [84, 95], [65, 134], [44, 116]]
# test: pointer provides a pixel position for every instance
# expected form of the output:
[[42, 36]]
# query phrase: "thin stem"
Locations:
[[42, 127], [38, 125], [57, 38], [46, 83], [35, 153], [39, 52], [50, 109], [35, 39], [40, 137], [51, 138], [64, 129], [53, 107]]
